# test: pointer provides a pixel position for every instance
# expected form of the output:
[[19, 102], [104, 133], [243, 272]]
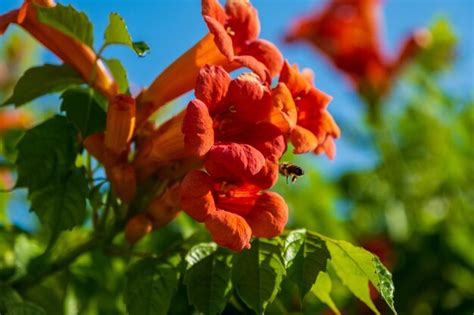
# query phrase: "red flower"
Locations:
[[232, 43], [347, 32], [310, 125], [225, 111], [233, 210]]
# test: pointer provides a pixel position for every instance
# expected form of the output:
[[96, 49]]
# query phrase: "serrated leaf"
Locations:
[[61, 205], [117, 33], [258, 272], [309, 257], [150, 286], [69, 21], [25, 308], [83, 110], [208, 280], [322, 290], [355, 267], [45, 153], [42, 80], [119, 73]]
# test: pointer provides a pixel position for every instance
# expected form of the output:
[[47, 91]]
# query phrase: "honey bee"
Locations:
[[290, 170]]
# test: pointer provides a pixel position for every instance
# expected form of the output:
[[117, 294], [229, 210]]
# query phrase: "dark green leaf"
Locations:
[[150, 286], [43, 80], [46, 153], [306, 255], [119, 73], [83, 110], [8, 297], [117, 33], [69, 21], [25, 308], [61, 205], [208, 278], [258, 272]]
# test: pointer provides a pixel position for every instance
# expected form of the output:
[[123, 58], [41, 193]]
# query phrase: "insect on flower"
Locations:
[[290, 170]]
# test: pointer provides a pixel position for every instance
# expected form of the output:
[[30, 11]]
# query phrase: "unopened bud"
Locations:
[[120, 123], [137, 227]]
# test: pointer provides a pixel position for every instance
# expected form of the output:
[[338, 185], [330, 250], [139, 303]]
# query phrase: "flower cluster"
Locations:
[[347, 33], [219, 157]]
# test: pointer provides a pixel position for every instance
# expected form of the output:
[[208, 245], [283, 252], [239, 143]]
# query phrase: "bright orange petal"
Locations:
[[303, 140], [229, 230], [120, 123], [269, 215], [196, 195]]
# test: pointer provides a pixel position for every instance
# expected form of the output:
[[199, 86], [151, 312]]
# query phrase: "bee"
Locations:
[[290, 170]]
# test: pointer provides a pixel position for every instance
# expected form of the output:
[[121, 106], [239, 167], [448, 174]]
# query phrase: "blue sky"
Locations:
[[171, 27]]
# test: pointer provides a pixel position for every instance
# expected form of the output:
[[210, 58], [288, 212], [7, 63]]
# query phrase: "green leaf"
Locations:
[[208, 278], [43, 80], [258, 272], [356, 267], [385, 284], [322, 290], [83, 110], [25, 308], [69, 21], [306, 256], [61, 205], [150, 286], [119, 73], [46, 153], [117, 33]]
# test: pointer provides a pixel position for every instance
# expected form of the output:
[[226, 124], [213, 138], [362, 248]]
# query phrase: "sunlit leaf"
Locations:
[[257, 273], [322, 290], [119, 73], [43, 80], [306, 255], [69, 21], [117, 33]]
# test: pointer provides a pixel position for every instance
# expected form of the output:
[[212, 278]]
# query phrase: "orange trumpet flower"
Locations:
[[74, 53]]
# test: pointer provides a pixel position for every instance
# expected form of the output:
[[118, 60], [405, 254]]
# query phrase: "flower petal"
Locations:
[[229, 230], [251, 100], [211, 86], [196, 195], [120, 123], [297, 83], [284, 113], [269, 215], [303, 140], [137, 227], [253, 64], [242, 21], [213, 9], [221, 38], [197, 129], [268, 175], [233, 161], [124, 181], [265, 52]]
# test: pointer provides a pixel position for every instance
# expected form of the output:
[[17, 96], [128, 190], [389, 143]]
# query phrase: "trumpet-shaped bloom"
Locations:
[[224, 111], [74, 53], [312, 127], [232, 210], [232, 43], [347, 32], [120, 123]]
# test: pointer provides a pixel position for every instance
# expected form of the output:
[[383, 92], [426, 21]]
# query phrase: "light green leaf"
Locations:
[[150, 286], [306, 255], [46, 153], [119, 73], [199, 252], [69, 21], [42, 80], [257, 273], [117, 33], [356, 267], [61, 205], [208, 279], [322, 290], [83, 110]]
